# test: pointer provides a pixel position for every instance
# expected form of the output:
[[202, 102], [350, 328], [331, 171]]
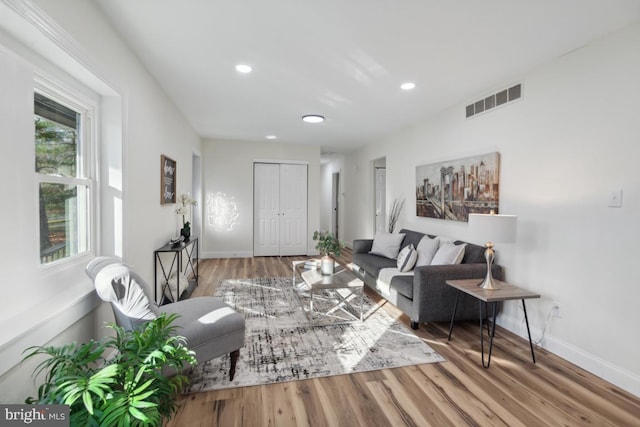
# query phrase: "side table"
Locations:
[[505, 292], [189, 250]]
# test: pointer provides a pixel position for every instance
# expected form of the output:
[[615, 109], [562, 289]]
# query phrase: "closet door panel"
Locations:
[[293, 209], [266, 229]]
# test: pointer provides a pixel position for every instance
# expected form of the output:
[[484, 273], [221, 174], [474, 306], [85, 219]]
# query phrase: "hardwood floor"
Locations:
[[512, 392]]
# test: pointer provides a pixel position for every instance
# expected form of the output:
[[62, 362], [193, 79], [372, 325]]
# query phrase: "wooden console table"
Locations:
[[505, 292]]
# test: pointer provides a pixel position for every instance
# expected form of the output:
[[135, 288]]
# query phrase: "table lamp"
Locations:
[[492, 228]]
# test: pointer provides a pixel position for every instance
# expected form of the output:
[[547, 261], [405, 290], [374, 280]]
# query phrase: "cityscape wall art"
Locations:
[[453, 189]]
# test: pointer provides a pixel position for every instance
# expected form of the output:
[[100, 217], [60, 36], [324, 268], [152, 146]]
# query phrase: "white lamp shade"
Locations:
[[493, 228]]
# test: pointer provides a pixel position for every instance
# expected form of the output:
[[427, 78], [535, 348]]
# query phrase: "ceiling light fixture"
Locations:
[[313, 118], [271, 137], [243, 68], [408, 86]]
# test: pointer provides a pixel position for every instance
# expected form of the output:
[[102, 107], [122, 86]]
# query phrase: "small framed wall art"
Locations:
[[167, 180]]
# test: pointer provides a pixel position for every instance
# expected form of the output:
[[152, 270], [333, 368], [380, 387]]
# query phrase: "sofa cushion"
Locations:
[[207, 321], [449, 253], [407, 258], [412, 238], [427, 248], [387, 244], [472, 253], [114, 283], [372, 264], [403, 285]]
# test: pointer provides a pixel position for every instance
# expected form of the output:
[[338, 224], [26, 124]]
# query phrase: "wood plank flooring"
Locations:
[[459, 392]]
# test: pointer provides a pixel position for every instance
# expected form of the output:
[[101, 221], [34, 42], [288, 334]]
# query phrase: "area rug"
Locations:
[[281, 345]]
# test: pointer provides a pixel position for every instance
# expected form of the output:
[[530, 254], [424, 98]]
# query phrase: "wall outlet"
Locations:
[[615, 199], [556, 310]]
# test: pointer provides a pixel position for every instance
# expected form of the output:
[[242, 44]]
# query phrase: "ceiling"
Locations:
[[346, 59]]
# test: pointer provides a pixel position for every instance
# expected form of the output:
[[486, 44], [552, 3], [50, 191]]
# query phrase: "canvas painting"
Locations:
[[454, 189]]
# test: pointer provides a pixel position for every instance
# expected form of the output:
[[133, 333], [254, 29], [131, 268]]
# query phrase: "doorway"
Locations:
[[335, 204], [196, 188], [380, 191]]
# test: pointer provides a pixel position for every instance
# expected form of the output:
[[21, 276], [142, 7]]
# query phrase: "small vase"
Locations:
[[327, 265], [186, 233]]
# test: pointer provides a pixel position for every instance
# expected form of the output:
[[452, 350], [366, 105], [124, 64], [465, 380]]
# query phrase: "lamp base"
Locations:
[[489, 282]]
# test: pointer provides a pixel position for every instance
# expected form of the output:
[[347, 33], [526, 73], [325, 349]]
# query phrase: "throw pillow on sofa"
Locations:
[[426, 249], [407, 258], [387, 244], [449, 253]]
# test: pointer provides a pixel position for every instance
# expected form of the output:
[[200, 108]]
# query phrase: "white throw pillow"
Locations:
[[407, 258], [115, 284], [449, 254], [426, 249], [387, 244]]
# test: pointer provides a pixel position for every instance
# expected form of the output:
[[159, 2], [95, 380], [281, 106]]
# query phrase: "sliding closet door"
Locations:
[[293, 209], [280, 209], [266, 219]]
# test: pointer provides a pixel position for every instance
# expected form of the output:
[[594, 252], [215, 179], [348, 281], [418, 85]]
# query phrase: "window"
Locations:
[[62, 166]]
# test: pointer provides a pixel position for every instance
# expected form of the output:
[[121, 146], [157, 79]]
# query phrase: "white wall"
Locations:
[[73, 42], [570, 140], [228, 171]]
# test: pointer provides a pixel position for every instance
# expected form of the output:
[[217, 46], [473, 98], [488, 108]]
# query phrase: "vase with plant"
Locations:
[[184, 210], [119, 380], [394, 213], [328, 245]]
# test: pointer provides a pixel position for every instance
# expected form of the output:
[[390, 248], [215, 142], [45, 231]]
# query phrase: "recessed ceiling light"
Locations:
[[243, 68], [271, 137], [313, 118], [407, 86]]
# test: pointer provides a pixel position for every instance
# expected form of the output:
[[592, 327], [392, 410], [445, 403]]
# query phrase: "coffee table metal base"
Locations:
[[326, 301]]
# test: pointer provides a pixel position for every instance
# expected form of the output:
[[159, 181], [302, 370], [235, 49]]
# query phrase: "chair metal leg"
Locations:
[[234, 355]]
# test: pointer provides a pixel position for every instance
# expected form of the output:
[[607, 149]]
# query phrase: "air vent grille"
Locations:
[[495, 100]]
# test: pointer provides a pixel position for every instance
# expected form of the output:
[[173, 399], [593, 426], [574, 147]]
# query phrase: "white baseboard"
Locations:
[[241, 254], [616, 375], [227, 254]]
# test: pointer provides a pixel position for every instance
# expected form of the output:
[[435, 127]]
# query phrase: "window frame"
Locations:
[[87, 170]]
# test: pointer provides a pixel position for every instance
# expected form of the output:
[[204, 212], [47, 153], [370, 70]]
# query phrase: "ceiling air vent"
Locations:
[[495, 100]]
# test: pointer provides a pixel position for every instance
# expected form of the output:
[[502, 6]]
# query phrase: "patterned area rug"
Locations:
[[281, 345]]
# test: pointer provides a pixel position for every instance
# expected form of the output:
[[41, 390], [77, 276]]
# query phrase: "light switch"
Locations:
[[615, 199]]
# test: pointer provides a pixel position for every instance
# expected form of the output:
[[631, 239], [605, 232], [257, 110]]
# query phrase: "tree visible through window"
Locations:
[[63, 184]]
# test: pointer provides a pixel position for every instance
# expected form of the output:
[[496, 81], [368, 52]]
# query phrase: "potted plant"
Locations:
[[394, 214], [130, 388], [328, 245]]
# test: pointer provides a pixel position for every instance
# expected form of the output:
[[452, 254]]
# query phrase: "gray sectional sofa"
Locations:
[[424, 296]]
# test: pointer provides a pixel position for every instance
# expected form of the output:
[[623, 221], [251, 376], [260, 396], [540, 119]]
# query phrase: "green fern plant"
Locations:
[[132, 388], [327, 244]]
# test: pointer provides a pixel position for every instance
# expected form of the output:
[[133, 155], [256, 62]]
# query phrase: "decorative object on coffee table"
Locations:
[[492, 228], [328, 245]]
